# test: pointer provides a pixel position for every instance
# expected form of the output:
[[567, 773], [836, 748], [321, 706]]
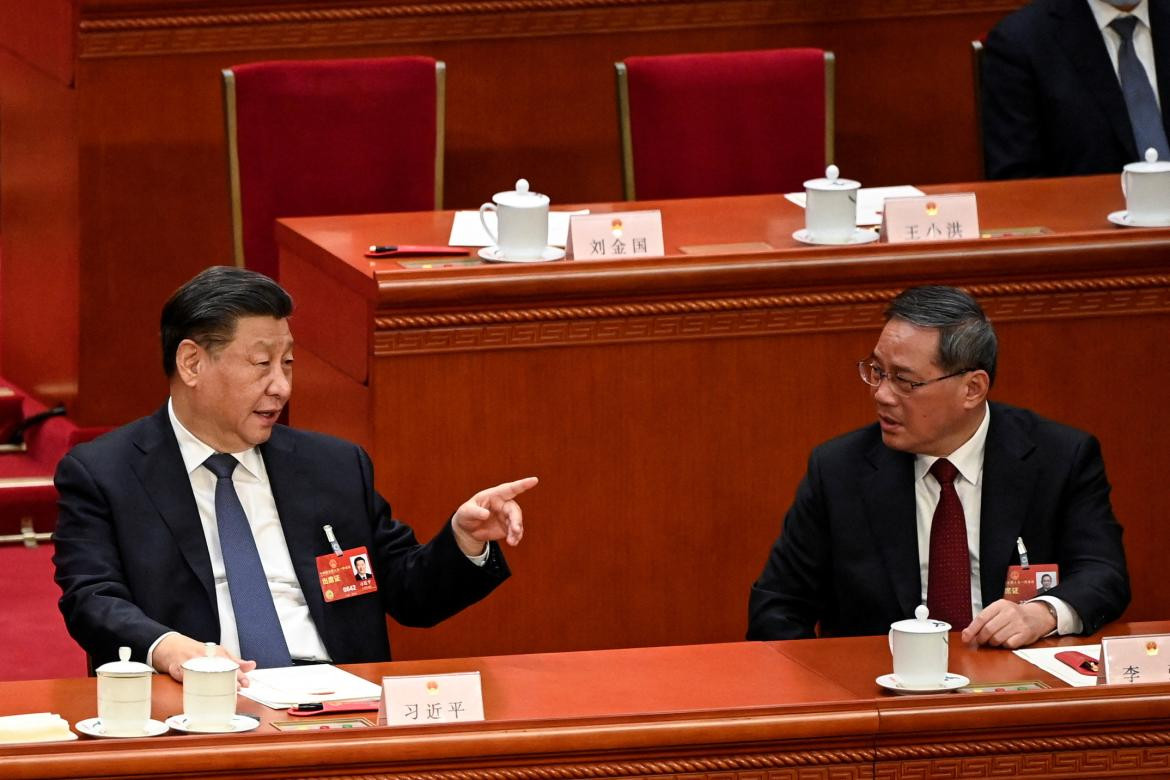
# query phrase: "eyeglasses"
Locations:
[[873, 375]]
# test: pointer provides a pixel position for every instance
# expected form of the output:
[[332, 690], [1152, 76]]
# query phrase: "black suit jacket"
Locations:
[[132, 561], [1052, 103], [847, 556]]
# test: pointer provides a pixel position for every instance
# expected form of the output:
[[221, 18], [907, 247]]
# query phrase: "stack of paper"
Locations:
[[284, 687], [34, 727]]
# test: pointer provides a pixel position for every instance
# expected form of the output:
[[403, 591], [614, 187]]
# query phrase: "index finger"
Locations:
[[509, 490]]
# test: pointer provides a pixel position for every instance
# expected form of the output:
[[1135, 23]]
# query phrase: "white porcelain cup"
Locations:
[[1146, 186], [209, 691], [124, 696], [830, 207], [522, 220], [921, 649]]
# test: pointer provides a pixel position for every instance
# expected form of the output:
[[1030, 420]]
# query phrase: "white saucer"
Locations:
[[860, 236], [492, 255], [949, 683], [1122, 218], [239, 723], [93, 727]]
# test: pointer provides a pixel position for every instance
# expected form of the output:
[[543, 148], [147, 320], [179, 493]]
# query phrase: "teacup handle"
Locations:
[[483, 221], [890, 637]]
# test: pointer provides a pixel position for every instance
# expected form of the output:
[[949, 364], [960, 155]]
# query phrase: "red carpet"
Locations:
[[33, 641]]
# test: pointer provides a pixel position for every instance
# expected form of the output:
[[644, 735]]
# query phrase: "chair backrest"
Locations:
[[977, 81], [725, 123], [319, 137]]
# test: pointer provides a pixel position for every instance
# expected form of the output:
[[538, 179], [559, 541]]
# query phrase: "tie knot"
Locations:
[[1124, 25], [221, 465], [944, 471]]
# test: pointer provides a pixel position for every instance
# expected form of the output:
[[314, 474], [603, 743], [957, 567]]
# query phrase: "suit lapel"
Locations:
[[295, 502], [1085, 49], [1009, 479], [889, 502], [1160, 27], [164, 477]]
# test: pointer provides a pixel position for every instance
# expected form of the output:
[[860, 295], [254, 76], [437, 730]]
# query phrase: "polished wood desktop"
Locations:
[[669, 405], [801, 709]]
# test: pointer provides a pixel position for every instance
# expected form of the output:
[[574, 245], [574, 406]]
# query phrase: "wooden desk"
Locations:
[[669, 405], [788, 709]]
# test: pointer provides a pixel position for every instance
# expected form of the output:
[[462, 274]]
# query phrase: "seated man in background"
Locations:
[[209, 522], [1072, 87], [937, 499]]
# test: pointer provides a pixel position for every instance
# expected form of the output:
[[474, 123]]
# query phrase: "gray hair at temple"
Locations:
[[966, 339]]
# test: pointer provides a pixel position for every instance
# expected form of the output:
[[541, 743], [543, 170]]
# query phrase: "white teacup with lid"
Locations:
[[522, 222], [1146, 186], [209, 691], [830, 207], [124, 696], [921, 649]]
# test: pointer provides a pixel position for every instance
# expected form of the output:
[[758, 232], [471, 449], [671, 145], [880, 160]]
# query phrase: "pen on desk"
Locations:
[[383, 247]]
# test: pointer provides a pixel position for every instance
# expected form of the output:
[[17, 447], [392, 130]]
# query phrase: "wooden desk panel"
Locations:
[[669, 405], [788, 709]]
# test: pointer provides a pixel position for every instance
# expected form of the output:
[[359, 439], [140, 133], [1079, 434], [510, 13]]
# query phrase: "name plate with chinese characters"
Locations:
[[925, 218], [1136, 659], [419, 699], [617, 236]]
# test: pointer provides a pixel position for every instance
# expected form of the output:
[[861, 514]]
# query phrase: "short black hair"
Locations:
[[206, 308], [966, 339]]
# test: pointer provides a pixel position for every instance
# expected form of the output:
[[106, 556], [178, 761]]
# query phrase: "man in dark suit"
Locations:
[[881, 522], [150, 536], [1053, 103]]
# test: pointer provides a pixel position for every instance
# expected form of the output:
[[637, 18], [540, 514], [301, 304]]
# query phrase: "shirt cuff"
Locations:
[[154, 644], [1067, 619], [481, 559]]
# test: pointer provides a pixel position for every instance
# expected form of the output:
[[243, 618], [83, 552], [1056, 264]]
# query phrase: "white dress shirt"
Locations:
[[968, 459], [1143, 38], [255, 492]]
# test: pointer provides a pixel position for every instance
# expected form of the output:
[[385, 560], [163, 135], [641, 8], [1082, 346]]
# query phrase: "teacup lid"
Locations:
[[1151, 164], [832, 181], [209, 662], [920, 623], [521, 197], [123, 667]]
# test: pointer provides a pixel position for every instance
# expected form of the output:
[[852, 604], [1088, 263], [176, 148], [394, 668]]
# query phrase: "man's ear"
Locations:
[[976, 386], [190, 360]]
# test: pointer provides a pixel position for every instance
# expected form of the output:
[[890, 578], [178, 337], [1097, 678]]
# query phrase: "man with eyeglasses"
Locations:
[[938, 500]]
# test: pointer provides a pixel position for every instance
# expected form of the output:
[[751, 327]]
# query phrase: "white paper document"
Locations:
[[282, 688], [870, 201], [34, 727], [1045, 658], [467, 230]]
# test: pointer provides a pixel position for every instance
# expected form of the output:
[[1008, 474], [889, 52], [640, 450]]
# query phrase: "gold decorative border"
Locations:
[[725, 317], [236, 30]]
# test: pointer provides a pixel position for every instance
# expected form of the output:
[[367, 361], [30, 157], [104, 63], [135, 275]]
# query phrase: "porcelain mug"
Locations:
[[209, 691], [522, 221], [830, 208], [123, 696], [1146, 186], [921, 649]]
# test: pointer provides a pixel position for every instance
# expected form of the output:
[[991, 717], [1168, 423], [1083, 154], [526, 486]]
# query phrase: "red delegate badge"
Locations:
[[1025, 583], [346, 575]]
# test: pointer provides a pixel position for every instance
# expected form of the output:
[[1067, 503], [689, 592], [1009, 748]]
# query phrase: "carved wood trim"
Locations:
[[233, 30], [726, 317]]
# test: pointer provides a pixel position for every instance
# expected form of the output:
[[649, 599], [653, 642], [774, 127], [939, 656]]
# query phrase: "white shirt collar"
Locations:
[[1105, 13], [195, 451], [968, 458]]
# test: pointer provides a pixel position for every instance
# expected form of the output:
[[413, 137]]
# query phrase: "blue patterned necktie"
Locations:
[[1148, 130], [261, 638]]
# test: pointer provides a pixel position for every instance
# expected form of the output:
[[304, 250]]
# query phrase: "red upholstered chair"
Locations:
[[325, 137], [728, 123]]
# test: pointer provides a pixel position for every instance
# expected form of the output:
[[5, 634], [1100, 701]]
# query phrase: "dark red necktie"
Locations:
[[948, 585]]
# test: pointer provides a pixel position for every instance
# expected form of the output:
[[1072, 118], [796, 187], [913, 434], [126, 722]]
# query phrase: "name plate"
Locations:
[[925, 218], [416, 700], [1136, 659], [623, 234]]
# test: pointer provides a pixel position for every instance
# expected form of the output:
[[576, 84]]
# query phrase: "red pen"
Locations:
[[404, 250]]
